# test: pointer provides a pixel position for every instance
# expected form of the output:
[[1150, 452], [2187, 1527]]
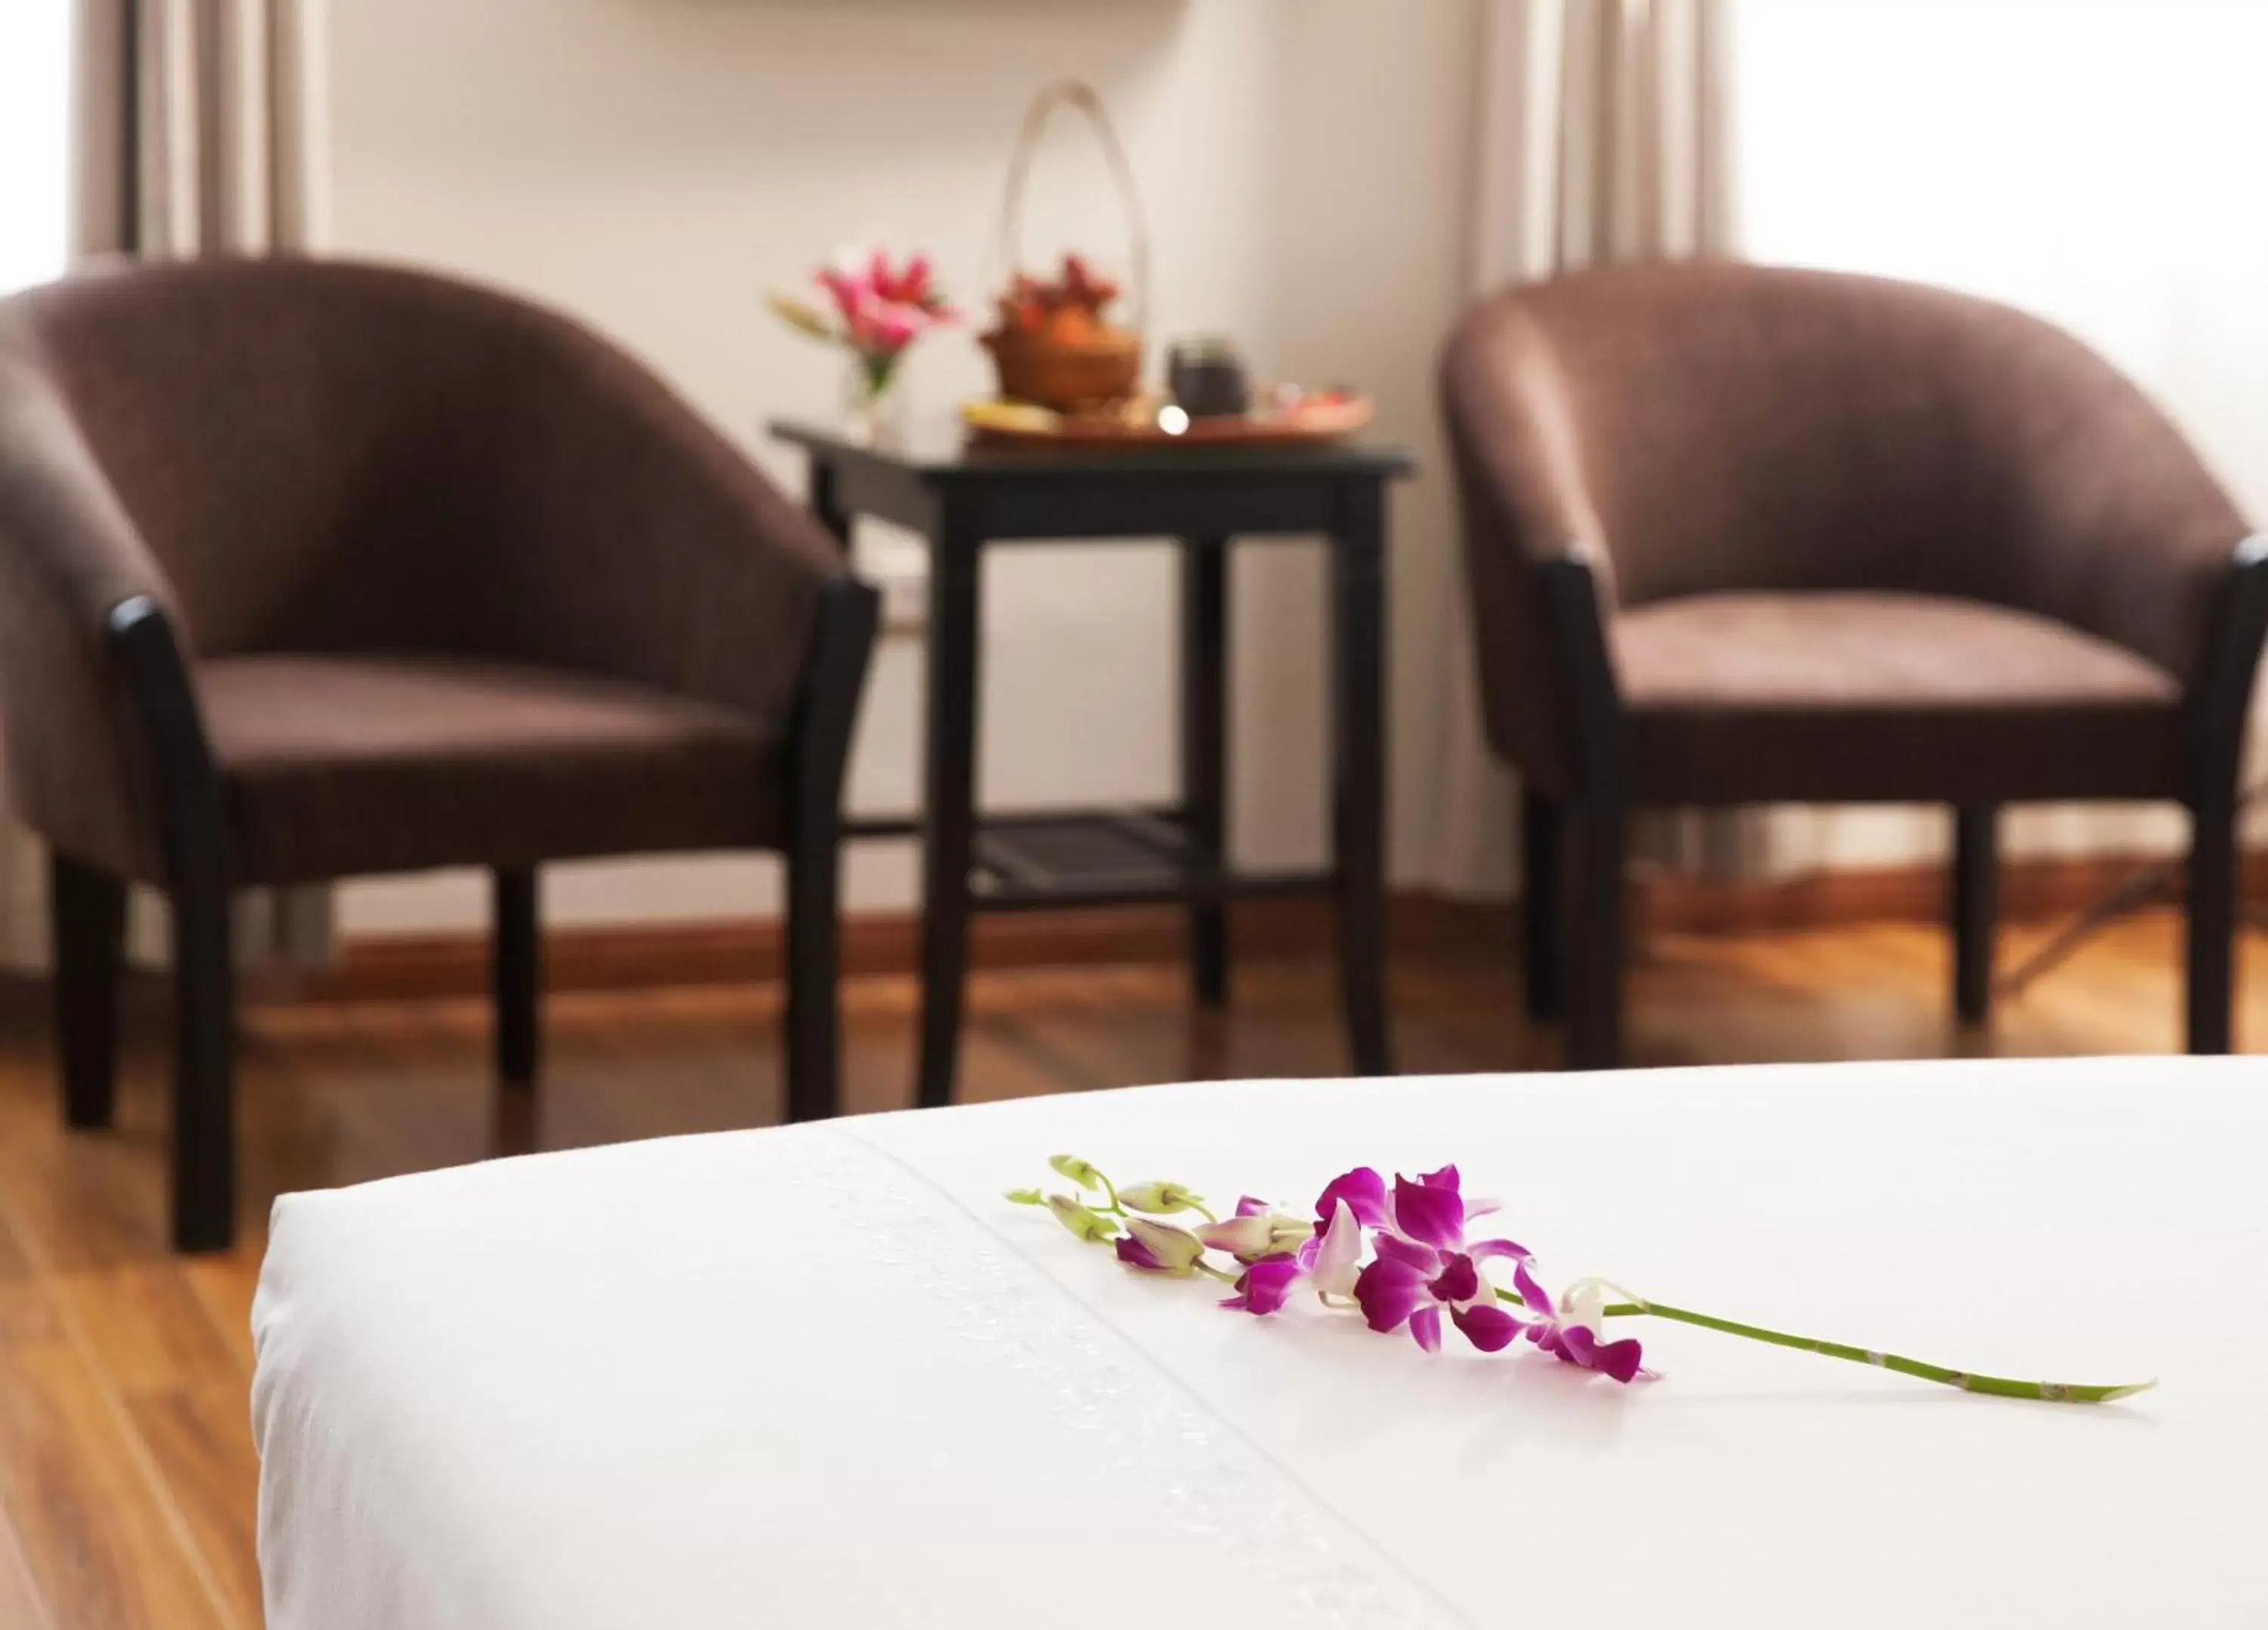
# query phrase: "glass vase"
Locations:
[[874, 408]]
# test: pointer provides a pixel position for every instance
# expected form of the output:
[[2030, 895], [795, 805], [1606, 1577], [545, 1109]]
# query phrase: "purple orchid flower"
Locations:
[[1432, 1211], [1570, 1330], [1410, 1284], [1362, 1191], [1423, 1263], [1327, 1260], [1265, 1286]]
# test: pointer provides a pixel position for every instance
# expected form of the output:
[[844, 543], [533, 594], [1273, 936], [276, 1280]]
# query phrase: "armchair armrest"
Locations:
[[69, 558], [2220, 696], [1542, 581], [1583, 674]]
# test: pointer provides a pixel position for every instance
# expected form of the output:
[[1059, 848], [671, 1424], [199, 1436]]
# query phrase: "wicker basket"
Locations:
[[1066, 375], [1103, 364]]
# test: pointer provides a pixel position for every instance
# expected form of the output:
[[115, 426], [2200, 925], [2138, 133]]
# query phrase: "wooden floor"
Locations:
[[127, 1472]]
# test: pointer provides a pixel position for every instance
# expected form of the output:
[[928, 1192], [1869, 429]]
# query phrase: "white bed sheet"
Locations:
[[825, 1376]]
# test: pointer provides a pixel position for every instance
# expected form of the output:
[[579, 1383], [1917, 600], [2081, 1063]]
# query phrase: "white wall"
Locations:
[[654, 165]]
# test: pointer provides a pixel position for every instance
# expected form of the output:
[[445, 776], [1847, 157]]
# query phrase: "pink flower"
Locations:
[[910, 286], [849, 293], [884, 309]]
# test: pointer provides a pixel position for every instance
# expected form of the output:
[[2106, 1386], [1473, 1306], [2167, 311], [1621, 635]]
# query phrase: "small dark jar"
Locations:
[[1206, 378]]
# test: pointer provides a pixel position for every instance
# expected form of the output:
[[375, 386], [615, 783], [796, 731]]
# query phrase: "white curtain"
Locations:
[[1606, 135], [34, 135], [197, 129], [201, 127]]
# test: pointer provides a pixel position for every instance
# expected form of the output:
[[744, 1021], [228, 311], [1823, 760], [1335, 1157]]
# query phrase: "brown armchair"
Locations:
[[1741, 534], [311, 570]]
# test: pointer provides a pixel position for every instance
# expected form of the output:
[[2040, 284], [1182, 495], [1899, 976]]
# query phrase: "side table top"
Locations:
[[942, 452]]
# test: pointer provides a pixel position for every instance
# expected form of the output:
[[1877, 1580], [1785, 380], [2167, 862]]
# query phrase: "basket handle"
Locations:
[[1078, 94]]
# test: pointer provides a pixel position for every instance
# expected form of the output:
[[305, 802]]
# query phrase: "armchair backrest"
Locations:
[[1703, 426], [322, 455], [300, 446]]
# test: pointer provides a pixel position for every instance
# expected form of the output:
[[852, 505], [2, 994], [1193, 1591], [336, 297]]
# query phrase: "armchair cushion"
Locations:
[[1864, 696], [335, 765]]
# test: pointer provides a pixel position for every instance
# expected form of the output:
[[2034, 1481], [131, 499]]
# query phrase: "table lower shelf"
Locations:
[[1067, 858], [1109, 857]]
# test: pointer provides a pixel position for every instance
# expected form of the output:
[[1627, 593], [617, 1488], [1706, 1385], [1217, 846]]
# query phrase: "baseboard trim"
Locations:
[[874, 942], [648, 957], [2031, 890]]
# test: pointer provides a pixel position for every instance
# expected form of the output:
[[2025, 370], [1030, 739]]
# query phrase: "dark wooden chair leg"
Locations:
[[1543, 900], [1603, 776], [516, 970], [813, 968], [87, 909], [949, 813], [2212, 929], [1358, 768], [1205, 749], [195, 834], [1975, 908], [1594, 1001], [204, 1087], [2220, 703], [849, 613]]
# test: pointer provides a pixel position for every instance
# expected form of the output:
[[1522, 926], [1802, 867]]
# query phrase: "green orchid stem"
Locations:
[[1222, 1274], [1202, 1211], [1996, 1386]]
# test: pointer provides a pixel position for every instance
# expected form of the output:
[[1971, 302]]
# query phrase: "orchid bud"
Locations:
[[1135, 1254], [1084, 1223], [1176, 1251], [1243, 1236], [1162, 1198], [1077, 1170], [1026, 1196], [1288, 1233]]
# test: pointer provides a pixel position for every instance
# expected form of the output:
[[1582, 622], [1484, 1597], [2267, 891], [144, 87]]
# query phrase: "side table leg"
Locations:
[[949, 815], [826, 507], [1205, 749], [1358, 766]]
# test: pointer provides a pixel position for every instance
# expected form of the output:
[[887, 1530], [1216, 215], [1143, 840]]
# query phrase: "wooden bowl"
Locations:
[[1067, 373]]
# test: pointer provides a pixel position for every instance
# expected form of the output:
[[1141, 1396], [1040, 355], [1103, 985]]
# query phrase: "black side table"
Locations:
[[962, 498]]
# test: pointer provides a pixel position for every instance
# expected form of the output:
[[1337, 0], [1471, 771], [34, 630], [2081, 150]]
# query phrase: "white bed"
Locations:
[[826, 1376]]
